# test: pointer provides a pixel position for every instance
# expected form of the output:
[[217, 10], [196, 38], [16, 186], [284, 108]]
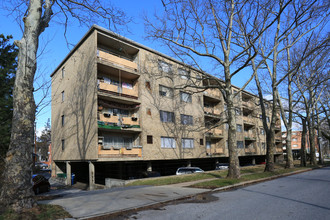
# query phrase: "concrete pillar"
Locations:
[[68, 173], [149, 166], [188, 163], [254, 161], [91, 175]]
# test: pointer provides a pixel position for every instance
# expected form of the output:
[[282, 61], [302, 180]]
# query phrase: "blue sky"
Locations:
[[55, 48]]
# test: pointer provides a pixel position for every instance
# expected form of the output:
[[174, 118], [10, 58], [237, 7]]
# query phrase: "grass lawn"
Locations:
[[247, 176], [41, 212]]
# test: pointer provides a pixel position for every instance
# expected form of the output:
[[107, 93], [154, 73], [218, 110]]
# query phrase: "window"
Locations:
[[165, 67], [63, 72], [238, 111], [185, 97], [117, 142], [266, 105], [165, 91], [267, 118], [148, 111], [184, 74], [295, 145], [149, 139], [201, 141], [260, 116], [225, 107], [167, 142], [294, 139], [239, 128], [263, 145], [148, 86], [187, 143], [62, 96], [62, 120], [166, 116], [226, 126], [240, 144], [63, 144], [262, 131], [208, 144], [186, 120]]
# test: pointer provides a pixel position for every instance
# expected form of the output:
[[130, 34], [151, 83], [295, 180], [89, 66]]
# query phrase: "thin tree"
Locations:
[[16, 191]]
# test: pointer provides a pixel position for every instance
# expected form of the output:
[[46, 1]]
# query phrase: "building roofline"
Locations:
[[134, 43]]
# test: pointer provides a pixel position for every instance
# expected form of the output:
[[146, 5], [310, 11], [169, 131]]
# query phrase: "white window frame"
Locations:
[[185, 97], [165, 67], [187, 119], [166, 116], [187, 143], [168, 142]]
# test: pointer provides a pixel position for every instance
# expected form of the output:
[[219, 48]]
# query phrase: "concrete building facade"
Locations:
[[120, 108]]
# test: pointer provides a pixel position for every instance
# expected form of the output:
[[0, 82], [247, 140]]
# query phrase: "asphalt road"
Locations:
[[301, 196]]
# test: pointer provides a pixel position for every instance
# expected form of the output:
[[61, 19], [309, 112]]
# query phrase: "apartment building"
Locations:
[[120, 108], [296, 143]]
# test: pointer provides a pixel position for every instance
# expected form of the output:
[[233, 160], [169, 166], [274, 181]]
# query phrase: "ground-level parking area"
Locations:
[[91, 172]]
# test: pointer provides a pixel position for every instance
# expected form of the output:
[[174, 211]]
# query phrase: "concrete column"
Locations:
[[149, 166], [188, 163], [254, 161], [91, 175], [68, 173]]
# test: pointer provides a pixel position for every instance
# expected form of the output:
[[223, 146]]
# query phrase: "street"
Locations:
[[301, 196]]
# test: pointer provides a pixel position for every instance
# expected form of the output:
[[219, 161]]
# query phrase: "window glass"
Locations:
[[294, 139], [186, 120], [185, 97], [149, 139], [187, 143], [208, 144], [262, 131], [165, 91], [165, 67], [239, 128], [240, 144], [184, 74], [166, 116], [167, 142]]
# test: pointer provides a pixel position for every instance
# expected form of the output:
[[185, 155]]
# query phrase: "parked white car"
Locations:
[[188, 170]]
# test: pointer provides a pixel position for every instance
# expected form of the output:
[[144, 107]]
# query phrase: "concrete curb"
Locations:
[[225, 188]]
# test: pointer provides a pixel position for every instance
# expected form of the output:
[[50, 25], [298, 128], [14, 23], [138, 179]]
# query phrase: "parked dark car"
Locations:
[[188, 170], [221, 166], [41, 165], [40, 184]]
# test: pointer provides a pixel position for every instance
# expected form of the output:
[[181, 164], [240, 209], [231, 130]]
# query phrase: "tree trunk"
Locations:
[[270, 140], [234, 170], [311, 131], [289, 160], [16, 191], [303, 144], [319, 137]]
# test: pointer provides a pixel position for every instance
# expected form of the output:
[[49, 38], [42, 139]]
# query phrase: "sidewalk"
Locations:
[[87, 204]]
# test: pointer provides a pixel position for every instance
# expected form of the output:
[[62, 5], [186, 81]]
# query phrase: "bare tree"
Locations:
[[213, 32], [16, 191], [296, 23]]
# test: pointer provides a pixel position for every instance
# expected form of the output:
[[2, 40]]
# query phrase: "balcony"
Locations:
[[214, 133], [248, 105], [250, 150], [212, 95], [109, 58], [121, 94], [120, 152], [212, 111], [119, 123], [278, 140], [248, 122]]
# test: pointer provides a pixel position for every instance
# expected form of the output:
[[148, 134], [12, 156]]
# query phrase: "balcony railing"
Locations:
[[211, 110], [119, 152], [118, 90], [116, 59], [115, 122]]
